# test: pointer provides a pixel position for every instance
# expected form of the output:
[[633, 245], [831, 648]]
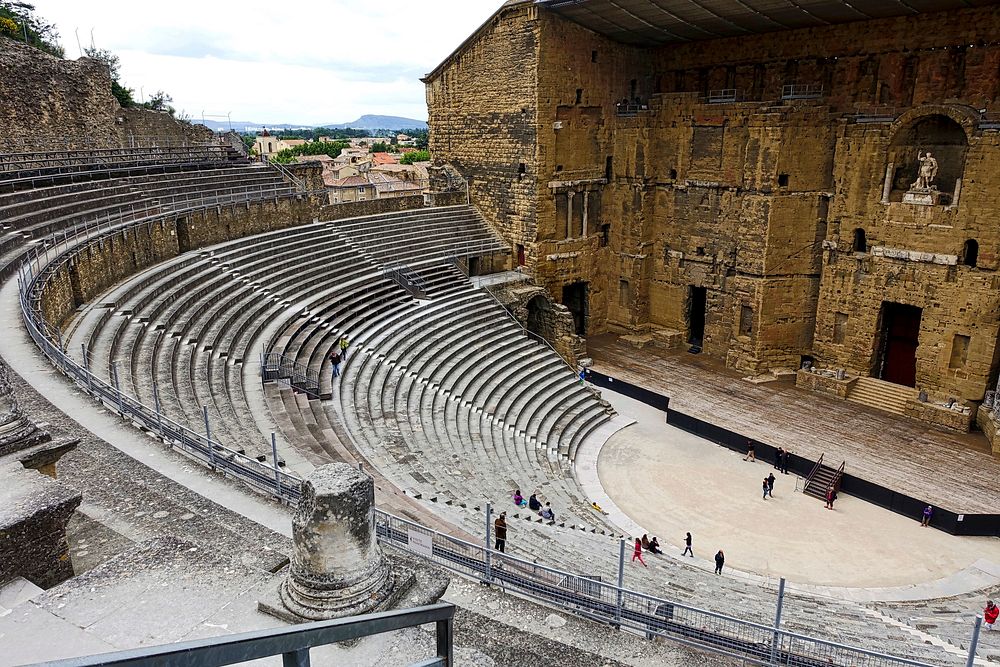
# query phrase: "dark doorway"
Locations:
[[575, 297], [474, 266], [697, 302], [900, 333], [539, 318], [520, 254]]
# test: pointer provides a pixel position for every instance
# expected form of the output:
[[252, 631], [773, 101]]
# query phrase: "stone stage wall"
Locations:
[[751, 197]]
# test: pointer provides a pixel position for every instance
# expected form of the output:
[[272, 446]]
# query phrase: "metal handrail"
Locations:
[[840, 476], [292, 643], [288, 175], [812, 473]]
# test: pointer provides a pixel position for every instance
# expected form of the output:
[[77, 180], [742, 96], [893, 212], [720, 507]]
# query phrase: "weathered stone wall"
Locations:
[[756, 199], [141, 124], [34, 510], [46, 100], [488, 132]]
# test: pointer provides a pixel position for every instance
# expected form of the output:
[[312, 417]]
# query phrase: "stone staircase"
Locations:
[[881, 395]]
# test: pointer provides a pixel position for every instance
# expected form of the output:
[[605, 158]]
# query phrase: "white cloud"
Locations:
[[270, 63]]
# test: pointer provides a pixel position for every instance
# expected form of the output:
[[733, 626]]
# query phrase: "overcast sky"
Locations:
[[272, 62]]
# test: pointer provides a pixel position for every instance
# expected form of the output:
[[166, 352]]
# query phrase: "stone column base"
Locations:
[[292, 604]]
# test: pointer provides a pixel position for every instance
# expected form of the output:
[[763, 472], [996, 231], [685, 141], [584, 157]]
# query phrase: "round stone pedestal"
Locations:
[[337, 566]]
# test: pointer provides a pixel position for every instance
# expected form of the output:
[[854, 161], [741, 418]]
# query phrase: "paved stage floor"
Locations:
[[669, 481], [951, 470]]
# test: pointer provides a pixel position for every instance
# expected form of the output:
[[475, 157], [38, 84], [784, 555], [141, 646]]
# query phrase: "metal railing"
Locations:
[[725, 96], [615, 605], [300, 186], [292, 643], [802, 91], [630, 109], [277, 367], [60, 161], [405, 277], [812, 473]]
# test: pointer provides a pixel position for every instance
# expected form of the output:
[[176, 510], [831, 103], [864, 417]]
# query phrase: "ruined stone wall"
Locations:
[[487, 130], [140, 124], [47, 99]]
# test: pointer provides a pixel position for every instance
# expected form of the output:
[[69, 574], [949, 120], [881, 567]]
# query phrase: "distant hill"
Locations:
[[366, 122], [373, 122]]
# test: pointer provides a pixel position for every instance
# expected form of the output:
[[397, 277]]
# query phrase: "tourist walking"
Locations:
[[990, 614], [751, 455], [637, 553], [687, 546], [784, 461], [335, 363], [344, 344], [927, 514], [500, 529], [778, 456], [770, 485], [831, 496], [765, 487], [720, 560]]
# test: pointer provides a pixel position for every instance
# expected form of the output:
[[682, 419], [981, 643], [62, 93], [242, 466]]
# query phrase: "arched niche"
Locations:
[[938, 134]]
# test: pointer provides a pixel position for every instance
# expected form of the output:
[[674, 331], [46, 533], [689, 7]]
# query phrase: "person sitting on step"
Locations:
[[533, 503], [547, 513], [654, 546], [518, 498]]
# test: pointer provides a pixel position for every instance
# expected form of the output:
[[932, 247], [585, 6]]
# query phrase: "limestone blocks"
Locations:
[[337, 568]]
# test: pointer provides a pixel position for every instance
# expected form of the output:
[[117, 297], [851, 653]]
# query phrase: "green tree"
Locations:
[[380, 147], [415, 156], [121, 93], [331, 148], [29, 27], [160, 101]]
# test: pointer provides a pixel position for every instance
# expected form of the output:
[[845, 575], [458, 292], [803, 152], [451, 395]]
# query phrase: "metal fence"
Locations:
[[277, 367], [292, 643], [802, 91], [581, 594], [615, 605]]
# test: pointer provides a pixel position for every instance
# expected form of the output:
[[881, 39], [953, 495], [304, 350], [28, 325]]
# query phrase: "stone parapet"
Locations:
[[34, 511], [824, 383], [939, 415]]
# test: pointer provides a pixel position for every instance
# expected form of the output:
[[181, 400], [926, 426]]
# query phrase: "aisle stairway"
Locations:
[[881, 395]]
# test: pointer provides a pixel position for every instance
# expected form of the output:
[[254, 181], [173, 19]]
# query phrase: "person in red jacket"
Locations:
[[638, 552], [990, 614]]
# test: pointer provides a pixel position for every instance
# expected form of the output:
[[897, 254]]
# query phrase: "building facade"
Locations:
[[759, 197]]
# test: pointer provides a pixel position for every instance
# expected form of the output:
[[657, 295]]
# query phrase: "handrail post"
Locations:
[[298, 658], [118, 390], [208, 437], [974, 644], [274, 460], [86, 367], [776, 641], [156, 405], [489, 528], [445, 641], [621, 581]]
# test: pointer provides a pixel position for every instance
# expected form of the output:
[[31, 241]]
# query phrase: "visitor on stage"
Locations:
[[687, 546], [720, 560]]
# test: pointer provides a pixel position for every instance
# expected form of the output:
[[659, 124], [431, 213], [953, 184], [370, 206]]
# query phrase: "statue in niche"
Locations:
[[926, 173]]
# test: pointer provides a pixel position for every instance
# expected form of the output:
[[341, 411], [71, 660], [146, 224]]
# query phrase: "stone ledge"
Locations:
[[990, 427], [939, 415], [824, 384]]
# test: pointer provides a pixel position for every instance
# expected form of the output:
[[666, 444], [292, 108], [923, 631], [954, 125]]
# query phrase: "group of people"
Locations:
[[535, 505], [338, 355], [781, 456]]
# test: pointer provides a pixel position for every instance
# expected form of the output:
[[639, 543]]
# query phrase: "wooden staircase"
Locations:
[[881, 395], [821, 478]]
